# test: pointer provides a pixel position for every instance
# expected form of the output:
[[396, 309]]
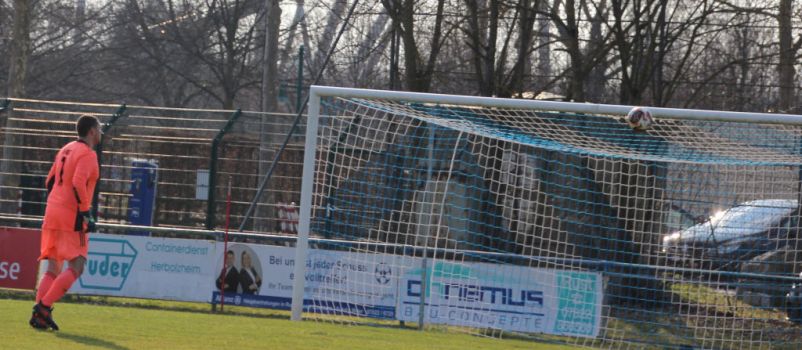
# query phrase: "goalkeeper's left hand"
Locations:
[[89, 220]]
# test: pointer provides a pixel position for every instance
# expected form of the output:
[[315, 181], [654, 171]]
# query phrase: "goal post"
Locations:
[[550, 219], [305, 211]]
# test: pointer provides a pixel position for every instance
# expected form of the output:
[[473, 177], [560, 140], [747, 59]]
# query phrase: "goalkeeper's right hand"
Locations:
[[90, 222]]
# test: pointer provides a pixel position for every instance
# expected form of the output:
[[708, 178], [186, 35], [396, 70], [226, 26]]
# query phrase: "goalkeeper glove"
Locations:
[[89, 220]]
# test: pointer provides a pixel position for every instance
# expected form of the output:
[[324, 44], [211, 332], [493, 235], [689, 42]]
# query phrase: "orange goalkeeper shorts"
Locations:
[[63, 245]]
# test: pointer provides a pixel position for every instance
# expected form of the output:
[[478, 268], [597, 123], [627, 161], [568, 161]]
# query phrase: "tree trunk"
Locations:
[[20, 48], [662, 50], [411, 56], [786, 70], [523, 65], [744, 70], [481, 30], [308, 44], [490, 52], [296, 21], [578, 75], [377, 39], [418, 74], [637, 41], [544, 50], [326, 39], [18, 67], [269, 134], [596, 79], [80, 17], [270, 80]]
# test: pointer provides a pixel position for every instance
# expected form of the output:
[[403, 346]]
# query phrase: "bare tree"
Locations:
[[298, 20], [522, 67], [583, 54], [788, 47], [788, 53], [270, 79], [327, 37], [270, 86], [149, 59], [641, 44], [498, 71], [418, 70], [20, 47], [367, 60], [543, 67], [5, 37], [482, 33], [18, 68], [219, 36]]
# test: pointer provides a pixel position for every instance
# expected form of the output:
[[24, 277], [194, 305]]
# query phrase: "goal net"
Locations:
[[551, 221]]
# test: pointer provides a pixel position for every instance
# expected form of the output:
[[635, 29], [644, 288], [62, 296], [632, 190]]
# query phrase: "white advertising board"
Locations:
[[482, 295], [145, 267], [336, 282], [512, 298]]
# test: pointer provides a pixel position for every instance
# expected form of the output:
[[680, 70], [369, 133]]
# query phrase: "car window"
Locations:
[[677, 220], [750, 216]]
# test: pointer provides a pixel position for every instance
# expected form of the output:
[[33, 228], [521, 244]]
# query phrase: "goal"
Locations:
[[550, 220]]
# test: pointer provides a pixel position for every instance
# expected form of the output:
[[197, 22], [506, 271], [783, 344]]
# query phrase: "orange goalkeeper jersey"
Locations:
[[71, 185]]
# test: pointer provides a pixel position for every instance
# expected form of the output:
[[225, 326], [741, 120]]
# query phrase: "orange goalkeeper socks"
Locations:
[[60, 287], [44, 285]]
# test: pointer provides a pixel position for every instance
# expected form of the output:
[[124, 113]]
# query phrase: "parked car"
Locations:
[[678, 219], [734, 235]]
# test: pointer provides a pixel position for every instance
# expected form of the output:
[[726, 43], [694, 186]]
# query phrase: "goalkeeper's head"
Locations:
[[88, 129]]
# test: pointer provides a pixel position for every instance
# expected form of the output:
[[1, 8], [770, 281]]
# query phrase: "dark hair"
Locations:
[[85, 123]]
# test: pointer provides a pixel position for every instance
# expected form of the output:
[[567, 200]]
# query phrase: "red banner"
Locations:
[[19, 251]]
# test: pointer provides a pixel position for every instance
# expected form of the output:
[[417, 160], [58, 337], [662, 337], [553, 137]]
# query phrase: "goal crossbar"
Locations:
[[316, 92]]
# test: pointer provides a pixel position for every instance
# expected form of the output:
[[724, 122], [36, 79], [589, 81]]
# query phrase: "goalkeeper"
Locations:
[[70, 186]]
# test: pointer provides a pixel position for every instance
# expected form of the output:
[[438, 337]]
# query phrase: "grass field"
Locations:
[[112, 323], [122, 323]]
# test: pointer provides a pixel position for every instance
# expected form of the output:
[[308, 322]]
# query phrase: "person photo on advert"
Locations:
[[249, 278], [229, 276]]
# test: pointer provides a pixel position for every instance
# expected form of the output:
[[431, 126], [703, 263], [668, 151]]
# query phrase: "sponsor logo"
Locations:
[[19, 249], [577, 303], [383, 273], [108, 264], [474, 293], [9, 270]]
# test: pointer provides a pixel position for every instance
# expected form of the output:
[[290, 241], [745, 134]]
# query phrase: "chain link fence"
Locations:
[[166, 167]]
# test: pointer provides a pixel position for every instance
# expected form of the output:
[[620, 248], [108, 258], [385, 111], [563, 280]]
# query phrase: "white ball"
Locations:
[[639, 118]]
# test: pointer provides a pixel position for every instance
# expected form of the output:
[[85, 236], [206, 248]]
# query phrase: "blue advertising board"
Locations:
[[141, 204]]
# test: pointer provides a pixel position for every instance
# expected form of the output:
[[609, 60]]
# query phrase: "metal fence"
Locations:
[[187, 157]]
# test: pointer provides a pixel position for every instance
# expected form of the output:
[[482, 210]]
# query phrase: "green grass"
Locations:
[[111, 323], [736, 319], [124, 323], [702, 295]]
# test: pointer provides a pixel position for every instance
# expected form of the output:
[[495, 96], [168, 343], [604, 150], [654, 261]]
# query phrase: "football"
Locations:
[[639, 118]]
